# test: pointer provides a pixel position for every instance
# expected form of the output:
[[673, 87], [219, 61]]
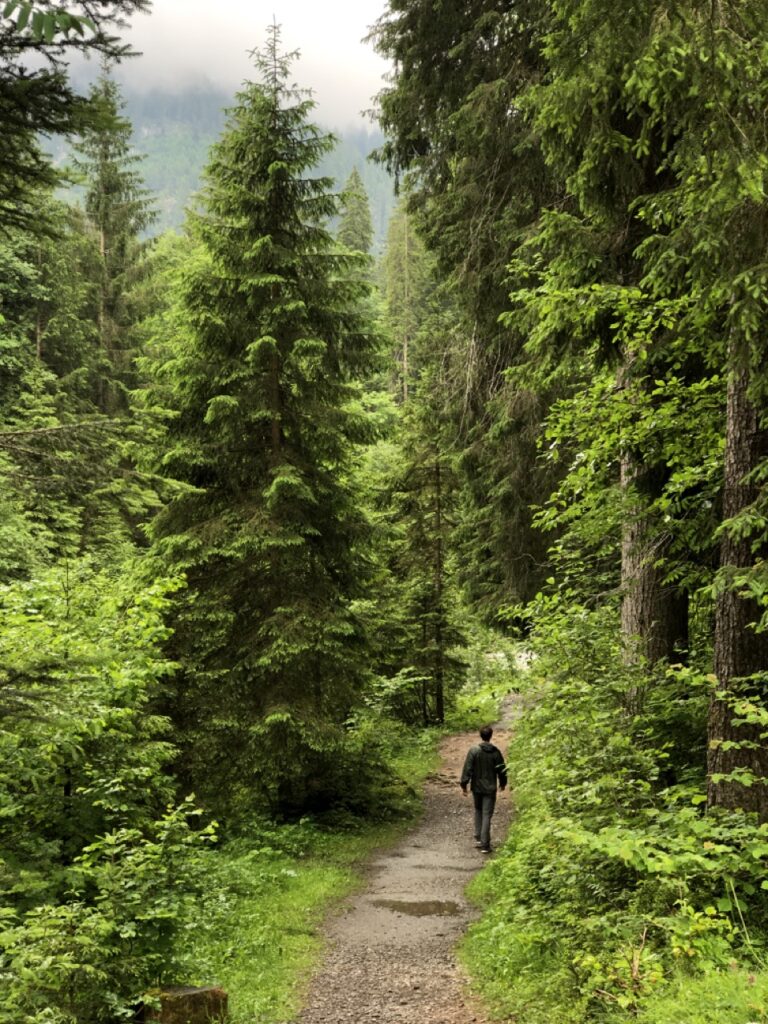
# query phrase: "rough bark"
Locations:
[[740, 652], [654, 615], [424, 688]]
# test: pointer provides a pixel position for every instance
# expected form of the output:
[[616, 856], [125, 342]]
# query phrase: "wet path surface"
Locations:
[[391, 949]]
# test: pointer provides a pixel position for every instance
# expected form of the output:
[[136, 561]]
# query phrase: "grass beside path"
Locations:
[[257, 932]]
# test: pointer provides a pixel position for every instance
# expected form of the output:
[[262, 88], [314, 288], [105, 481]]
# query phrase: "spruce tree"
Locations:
[[477, 185], [118, 210], [406, 285], [355, 226], [266, 530], [424, 505]]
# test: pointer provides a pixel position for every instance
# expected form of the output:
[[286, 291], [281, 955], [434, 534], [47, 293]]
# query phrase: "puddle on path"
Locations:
[[421, 908], [445, 867]]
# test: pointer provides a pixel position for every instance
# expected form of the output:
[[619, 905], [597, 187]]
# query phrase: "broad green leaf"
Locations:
[[24, 15]]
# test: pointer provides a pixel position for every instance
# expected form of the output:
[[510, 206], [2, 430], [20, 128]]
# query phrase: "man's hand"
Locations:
[[463, 790]]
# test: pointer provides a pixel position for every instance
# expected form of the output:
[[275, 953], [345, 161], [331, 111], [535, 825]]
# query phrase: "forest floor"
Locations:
[[391, 948]]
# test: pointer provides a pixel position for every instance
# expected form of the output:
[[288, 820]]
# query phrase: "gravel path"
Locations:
[[391, 950]]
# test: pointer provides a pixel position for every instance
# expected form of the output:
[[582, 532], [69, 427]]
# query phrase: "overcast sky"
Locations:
[[183, 39]]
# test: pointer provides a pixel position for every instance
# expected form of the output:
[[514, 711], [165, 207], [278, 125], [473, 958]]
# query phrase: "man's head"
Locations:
[[486, 732]]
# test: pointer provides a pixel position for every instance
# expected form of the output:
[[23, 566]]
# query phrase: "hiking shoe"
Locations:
[[485, 849], [478, 845]]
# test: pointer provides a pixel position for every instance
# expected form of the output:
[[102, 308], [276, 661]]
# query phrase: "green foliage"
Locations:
[[79, 666], [97, 867], [355, 229], [68, 299], [117, 211], [256, 930], [96, 956], [178, 125], [43, 25], [421, 498], [410, 484], [614, 880], [407, 283], [590, 431], [477, 187], [38, 99], [492, 673], [720, 997], [262, 386], [575, 299]]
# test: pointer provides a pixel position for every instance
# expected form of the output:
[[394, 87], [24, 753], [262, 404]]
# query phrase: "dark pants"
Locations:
[[484, 805]]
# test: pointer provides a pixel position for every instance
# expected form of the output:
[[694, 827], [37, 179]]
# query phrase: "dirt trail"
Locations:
[[391, 956]]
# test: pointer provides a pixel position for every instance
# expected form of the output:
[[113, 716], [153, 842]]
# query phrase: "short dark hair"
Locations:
[[486, 732]]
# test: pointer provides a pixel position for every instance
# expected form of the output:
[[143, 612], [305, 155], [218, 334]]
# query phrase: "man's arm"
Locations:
[[466, 775], [501, 770]]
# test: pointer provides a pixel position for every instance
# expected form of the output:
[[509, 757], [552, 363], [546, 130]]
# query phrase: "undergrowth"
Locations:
[[257, 931], [492, 672], [617, 896], [269, 887]]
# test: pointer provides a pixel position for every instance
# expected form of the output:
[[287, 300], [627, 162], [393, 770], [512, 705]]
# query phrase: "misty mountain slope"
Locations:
[[175, 130]]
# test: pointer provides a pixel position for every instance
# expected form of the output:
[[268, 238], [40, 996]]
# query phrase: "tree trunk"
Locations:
[[439, 599], [740, 652], [276, 409], [39, 316], [424, 692], [105, 403], [654, 615], [407, 313]]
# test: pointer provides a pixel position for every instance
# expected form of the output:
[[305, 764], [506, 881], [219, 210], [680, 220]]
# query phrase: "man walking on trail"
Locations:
[[484, 768]]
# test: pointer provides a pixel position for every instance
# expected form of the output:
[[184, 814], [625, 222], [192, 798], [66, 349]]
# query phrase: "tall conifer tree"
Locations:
[[118, 210], [355, 226], [406, 285], [267, 530], [424, 505]]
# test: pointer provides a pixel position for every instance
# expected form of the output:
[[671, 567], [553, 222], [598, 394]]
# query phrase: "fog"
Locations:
[[188, 40]]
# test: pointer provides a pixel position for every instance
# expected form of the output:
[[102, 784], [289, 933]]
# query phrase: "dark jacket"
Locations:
[[483, 767]]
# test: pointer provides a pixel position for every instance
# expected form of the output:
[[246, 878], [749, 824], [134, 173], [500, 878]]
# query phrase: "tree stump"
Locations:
[[180, 1005]]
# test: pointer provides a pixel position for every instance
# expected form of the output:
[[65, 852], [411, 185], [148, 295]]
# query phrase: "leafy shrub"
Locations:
[[93, 957], [492, 669], [373, 774], [96, 871], [82, 751], [614, 878]]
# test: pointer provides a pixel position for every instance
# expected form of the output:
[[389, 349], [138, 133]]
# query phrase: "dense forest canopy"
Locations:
[[270, 505]]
